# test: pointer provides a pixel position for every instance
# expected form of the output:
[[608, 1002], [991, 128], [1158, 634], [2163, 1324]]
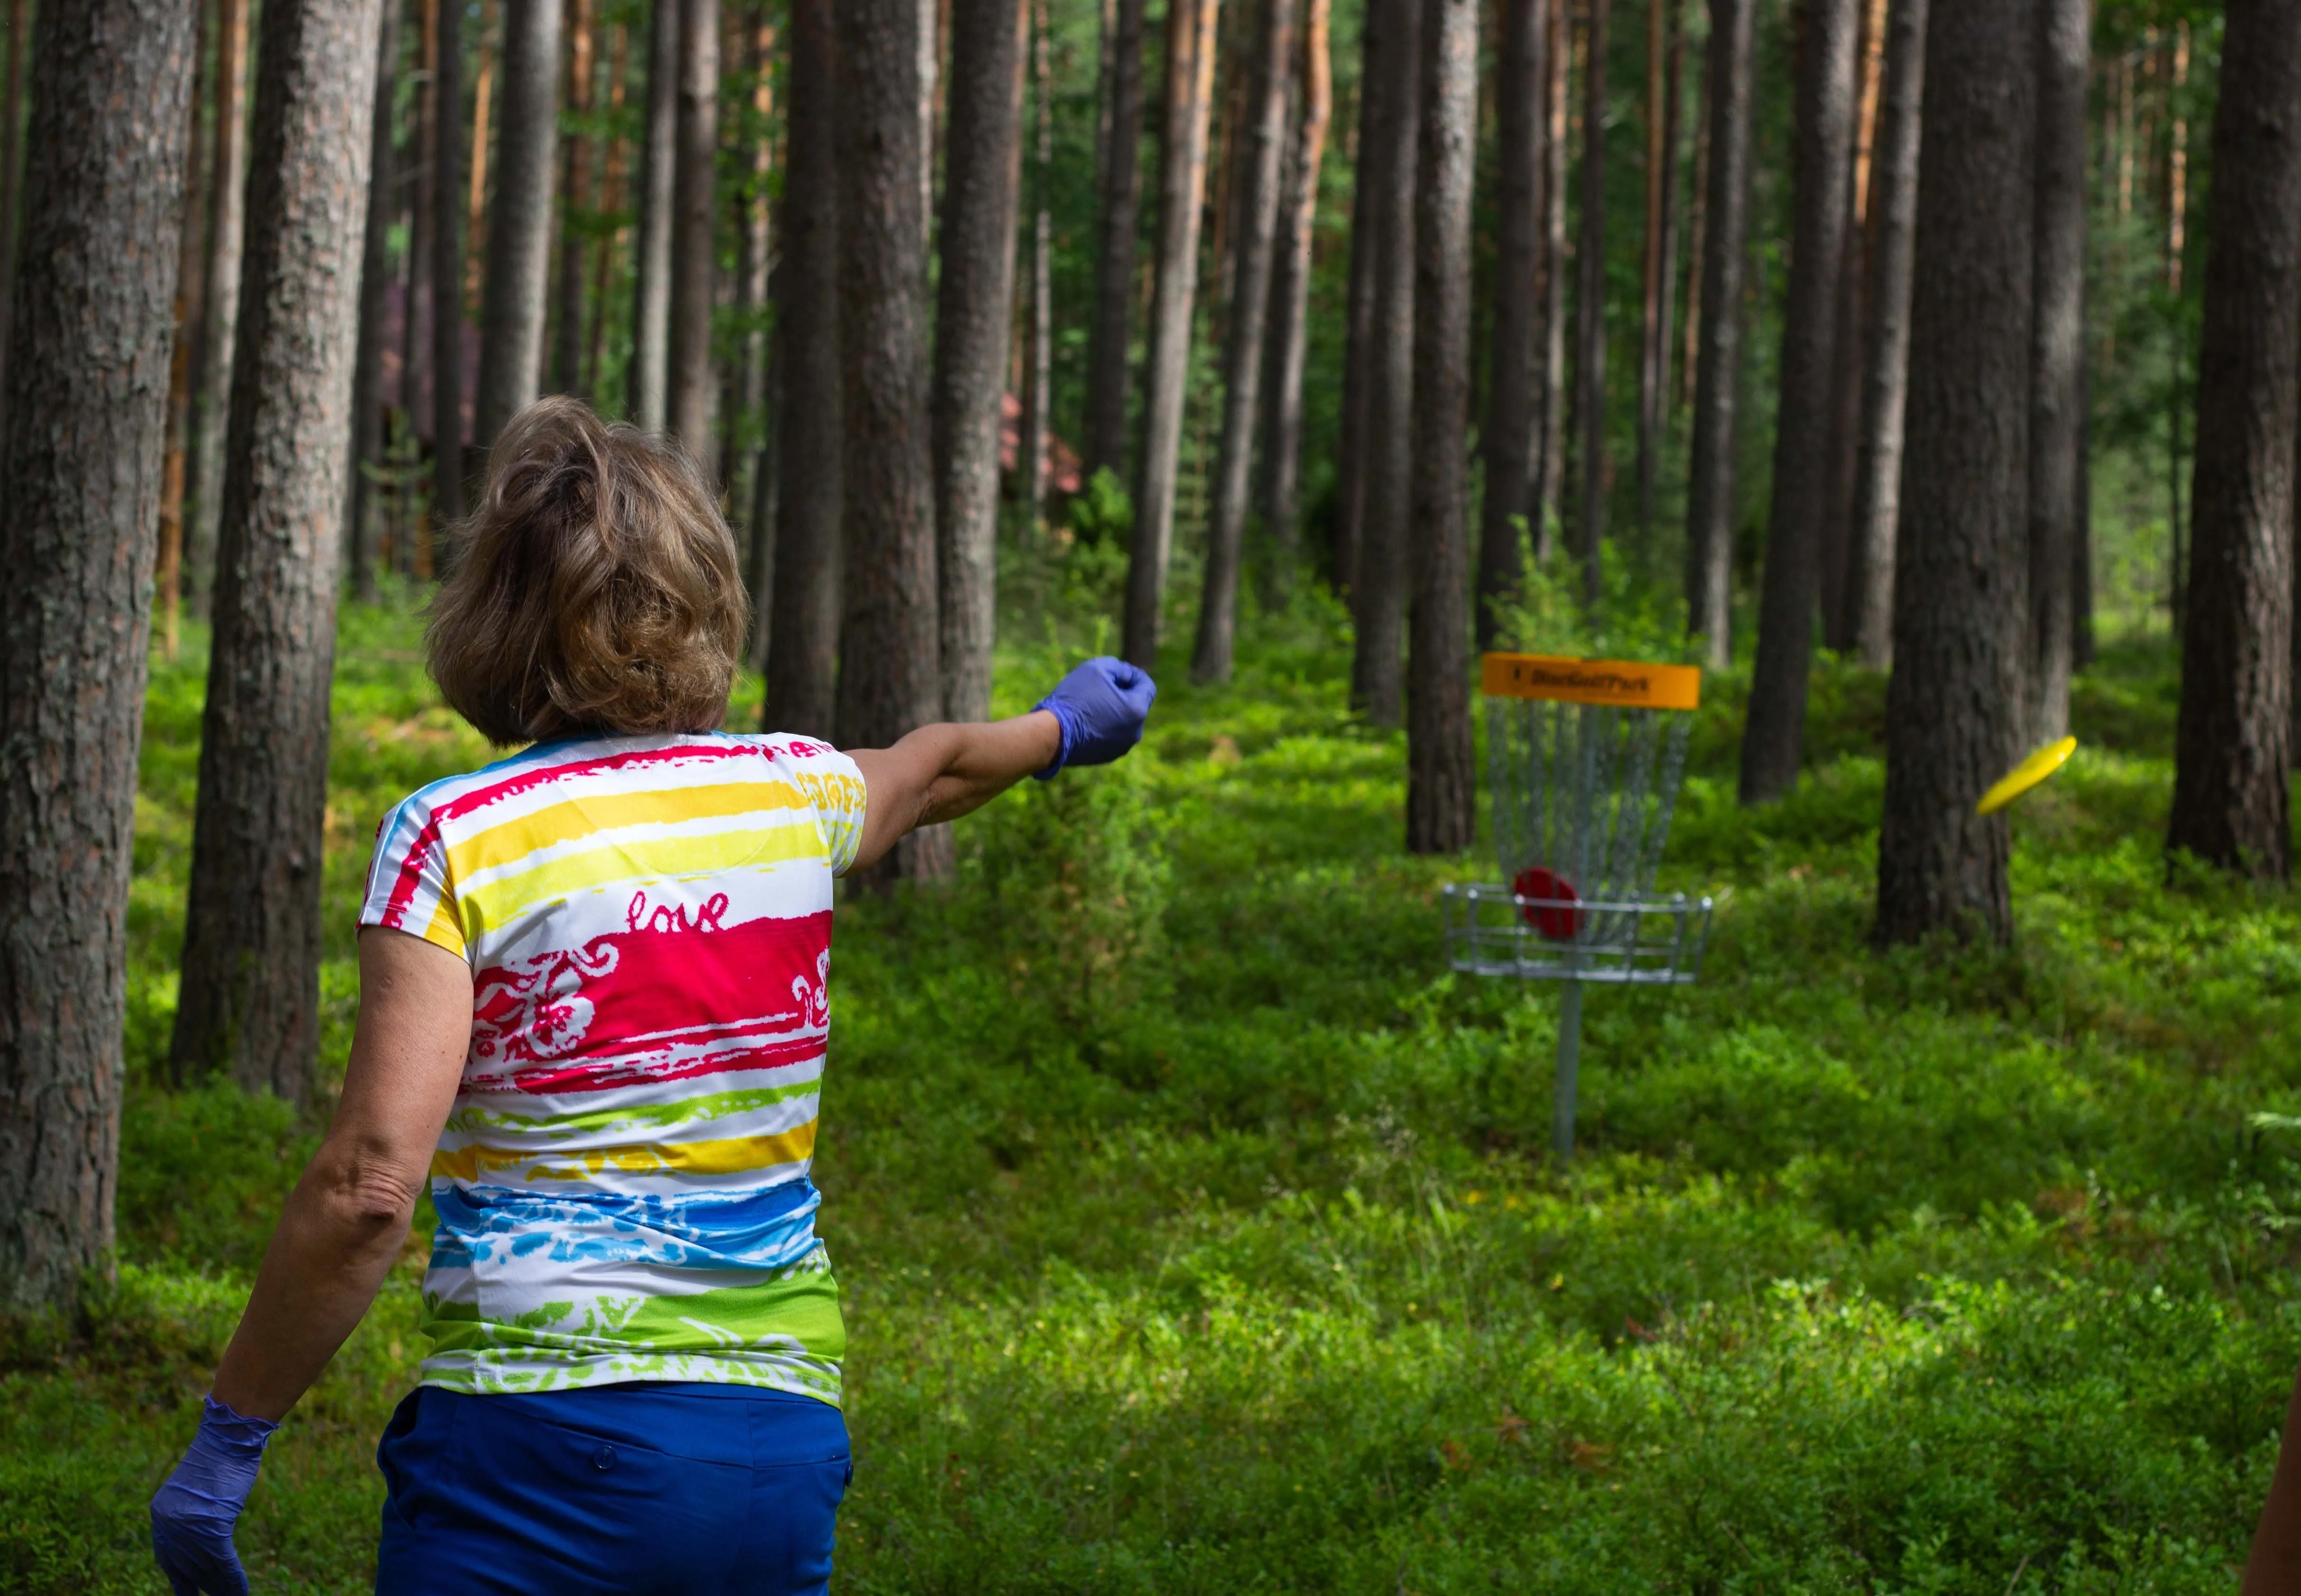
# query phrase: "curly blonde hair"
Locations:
[[594, 591]]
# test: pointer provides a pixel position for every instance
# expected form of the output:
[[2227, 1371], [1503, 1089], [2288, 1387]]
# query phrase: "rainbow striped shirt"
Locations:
[[622, 1184]]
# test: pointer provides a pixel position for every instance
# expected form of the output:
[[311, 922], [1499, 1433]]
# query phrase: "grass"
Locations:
[[1197, 1231]]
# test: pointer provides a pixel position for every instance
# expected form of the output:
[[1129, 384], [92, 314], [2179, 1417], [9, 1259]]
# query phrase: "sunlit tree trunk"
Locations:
[[1513, 394], [1386, 164], [447, 216], [647, 379], [1441, 778], [211, 407], [1718, 382], [249, 1001], [2057, 364], [517, 303], [375, 287], [87, 415], [2231, 751], [1116, 234], [972, 323], [1290, 300], [1188, 98], [693, 386], [1961, 615]]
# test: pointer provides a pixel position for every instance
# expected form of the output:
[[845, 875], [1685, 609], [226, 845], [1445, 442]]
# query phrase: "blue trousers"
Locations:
[[698, 1489]]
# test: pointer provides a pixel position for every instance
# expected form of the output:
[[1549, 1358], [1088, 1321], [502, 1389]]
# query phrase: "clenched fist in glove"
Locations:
[[1101, 706]]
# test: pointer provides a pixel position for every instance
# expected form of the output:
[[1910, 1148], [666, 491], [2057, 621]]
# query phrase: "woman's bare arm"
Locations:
[[940, 773], [348, 1215]]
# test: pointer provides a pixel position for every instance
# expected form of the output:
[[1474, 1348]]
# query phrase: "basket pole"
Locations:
[[1569, 1063]]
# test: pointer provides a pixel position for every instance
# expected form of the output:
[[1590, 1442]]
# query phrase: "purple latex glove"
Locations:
[[192, 1514], [1101, 706]]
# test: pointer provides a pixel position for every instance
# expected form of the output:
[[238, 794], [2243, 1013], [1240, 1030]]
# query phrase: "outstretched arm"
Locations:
[[940, 773]]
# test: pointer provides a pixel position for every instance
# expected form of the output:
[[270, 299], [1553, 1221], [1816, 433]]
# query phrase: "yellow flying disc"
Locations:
[[2027, 774]]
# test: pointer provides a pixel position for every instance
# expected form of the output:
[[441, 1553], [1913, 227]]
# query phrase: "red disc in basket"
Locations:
[[1553, 915]]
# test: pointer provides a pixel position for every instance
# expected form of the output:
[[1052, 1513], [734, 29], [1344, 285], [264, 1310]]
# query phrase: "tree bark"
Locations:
[[1255, 232], [1181, 189], [1590, 307], [375, 286], [515, 304], [803, 643], [693, 388], [12, 165], [2232, 744], [1359, 333], [888, 643], [1121, 221], [1833, 544], [191, 259], [416, 348], [1038, 415], [743, 428], [448, 263], [577, 202], [1441, 780], [647, 386], [1953, 706], [1709, 495], [1549, 510], [1886, 370], [973, 316], [87, 375], [1513, 394], [611, 202], [1661, 195], [1773, 740], [227, 188], [2057, 363], [1387, 156], [1290, 301]]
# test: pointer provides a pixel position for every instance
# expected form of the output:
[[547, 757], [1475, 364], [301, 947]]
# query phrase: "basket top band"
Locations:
[[1631, 684]]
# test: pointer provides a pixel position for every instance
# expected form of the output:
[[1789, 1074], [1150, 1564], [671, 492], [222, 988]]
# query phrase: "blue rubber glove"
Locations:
[[192, 1514], [1100, 705]]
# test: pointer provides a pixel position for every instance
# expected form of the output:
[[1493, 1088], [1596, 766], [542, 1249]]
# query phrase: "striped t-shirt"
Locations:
[[622, 1184]]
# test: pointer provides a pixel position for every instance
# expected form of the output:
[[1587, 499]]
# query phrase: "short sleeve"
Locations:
[[833, 784], [407, 884]]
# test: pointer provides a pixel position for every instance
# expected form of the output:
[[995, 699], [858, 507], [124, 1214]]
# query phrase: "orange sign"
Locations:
[[1628, 683]]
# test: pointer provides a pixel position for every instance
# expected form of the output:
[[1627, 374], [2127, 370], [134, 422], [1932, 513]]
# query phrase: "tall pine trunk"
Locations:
[[249, 1001], [12, 167], [1709, 495], [1290, 301], [1387, 155], [888, 648], [1117, 230], [1662, 49], [2057, 364], [693, 388], [191, 260], [375, 290], [1513, 394], [1549, 509], [87, 414], [1255, 230], [1188, 99], [1037, 415], [1441, 781], [211, 410], [515, 306], [416, 334], [576, 202], [2231, 748], [448, 263], [647, 384], [1833, 546], [1960, 621], [1773, 739], [1885, 366], [1359, 333], [1590, 307], [803, 642], [741, 430], [973, 322]]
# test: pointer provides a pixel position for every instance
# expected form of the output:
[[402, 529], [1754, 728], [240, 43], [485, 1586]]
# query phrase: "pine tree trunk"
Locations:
[[11, 166], [1960, 621], [375, 287], [191, 259], [973, 322], [1440, 780], [1549, 508], [1290, 303], [742, 430], [889, 677], [766, 503], [88, 403], [1360, 331], [1651, 284], [2057, 364], [210, 412], [576, 202], [1773, 740], [694, 389], [1666, 296], [2232, 747], [447, 264], [1833, 546], [1255, 230], [516, 301], [416, 398], [1038, 415], [803, 642], [1387, 155], [647, 382], [1120, 222], [249, 1000], [1513, 395], [1709, 495], [1590, 308], [611, 202], [1885, 369], [1181, 189]]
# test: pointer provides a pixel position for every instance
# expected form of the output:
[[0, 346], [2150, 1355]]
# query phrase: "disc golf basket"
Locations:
[[1585, 758]]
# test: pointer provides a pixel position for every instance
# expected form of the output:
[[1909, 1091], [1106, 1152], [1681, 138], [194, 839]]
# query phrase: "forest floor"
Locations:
[[1197, 1229]]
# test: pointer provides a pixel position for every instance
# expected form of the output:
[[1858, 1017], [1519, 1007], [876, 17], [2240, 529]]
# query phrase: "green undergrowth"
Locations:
[[1198, 1231]]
